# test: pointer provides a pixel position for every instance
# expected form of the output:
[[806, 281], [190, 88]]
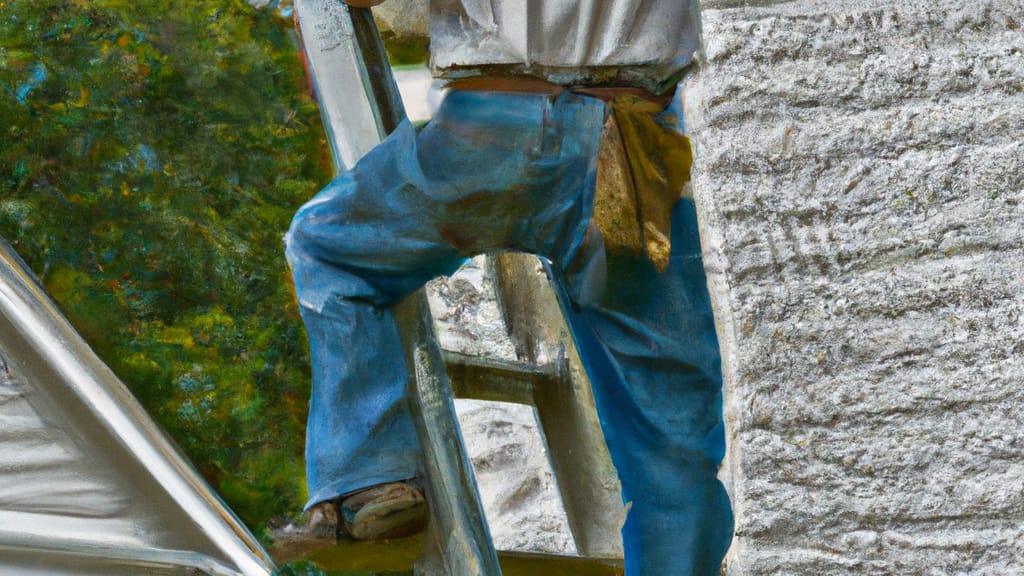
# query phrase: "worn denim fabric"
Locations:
[[503, 171]]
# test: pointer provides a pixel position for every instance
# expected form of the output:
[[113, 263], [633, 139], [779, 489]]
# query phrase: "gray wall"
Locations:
[[860, 180]]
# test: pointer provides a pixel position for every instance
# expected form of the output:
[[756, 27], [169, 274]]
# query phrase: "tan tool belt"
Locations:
[[643, 167]]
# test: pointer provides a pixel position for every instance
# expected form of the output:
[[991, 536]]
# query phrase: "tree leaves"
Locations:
[[153, 154]]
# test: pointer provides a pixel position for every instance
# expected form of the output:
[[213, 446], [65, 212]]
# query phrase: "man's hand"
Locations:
[[362, 3]]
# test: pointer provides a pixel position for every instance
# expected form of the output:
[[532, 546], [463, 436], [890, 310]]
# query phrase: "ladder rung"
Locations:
[[496, 380], [398, 556]]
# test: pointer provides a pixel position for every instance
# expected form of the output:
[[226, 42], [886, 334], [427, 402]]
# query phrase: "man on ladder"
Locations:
[[560, 136]]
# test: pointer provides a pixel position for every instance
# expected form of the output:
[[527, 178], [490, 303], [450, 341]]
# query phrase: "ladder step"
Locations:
[[399, 555], [526, 564], [496, 380]]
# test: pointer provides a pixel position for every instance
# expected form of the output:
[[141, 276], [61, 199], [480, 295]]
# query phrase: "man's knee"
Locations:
[[294, 240], [298, 255], [318, 230]]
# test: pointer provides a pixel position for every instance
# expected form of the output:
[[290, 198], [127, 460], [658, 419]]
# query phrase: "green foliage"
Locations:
[[153, 154]]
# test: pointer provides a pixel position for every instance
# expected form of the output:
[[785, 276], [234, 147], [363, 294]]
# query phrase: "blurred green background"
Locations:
[[152, 155]]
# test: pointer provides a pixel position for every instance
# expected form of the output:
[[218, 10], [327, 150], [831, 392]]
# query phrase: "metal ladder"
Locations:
[[359, 99]]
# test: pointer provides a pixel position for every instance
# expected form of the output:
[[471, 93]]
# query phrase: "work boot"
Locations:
[[393, 510]]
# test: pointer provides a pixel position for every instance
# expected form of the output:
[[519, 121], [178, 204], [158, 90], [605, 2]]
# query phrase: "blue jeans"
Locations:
[[503, 171]]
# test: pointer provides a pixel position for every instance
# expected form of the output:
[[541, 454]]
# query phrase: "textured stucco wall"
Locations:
[[860, 180]]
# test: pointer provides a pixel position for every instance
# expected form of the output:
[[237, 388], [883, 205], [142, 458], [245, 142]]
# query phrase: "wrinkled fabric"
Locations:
[[570, 42], [506, 171]]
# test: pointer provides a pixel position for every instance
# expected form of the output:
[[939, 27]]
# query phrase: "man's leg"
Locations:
[[360, 245], [648, 341], [490, 172]]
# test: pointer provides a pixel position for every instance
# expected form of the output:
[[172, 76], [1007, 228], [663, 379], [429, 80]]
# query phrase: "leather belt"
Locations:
[[532, 85]]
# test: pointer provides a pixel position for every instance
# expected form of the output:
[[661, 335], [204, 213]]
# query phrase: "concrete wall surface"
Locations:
[[860, 180]]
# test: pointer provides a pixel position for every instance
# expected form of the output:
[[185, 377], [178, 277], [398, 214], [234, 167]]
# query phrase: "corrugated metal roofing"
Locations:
[[88, 483]]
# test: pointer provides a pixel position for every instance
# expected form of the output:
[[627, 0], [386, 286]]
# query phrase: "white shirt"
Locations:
[[644, 43]]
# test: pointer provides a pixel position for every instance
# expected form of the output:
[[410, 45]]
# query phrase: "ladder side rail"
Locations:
[[458, 533], [587, 480], [458, 540]]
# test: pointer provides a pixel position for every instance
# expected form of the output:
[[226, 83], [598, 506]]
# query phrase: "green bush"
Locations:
[[153, 154]]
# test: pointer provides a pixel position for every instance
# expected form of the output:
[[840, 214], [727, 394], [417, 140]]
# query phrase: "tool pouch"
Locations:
[[643, 167]]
